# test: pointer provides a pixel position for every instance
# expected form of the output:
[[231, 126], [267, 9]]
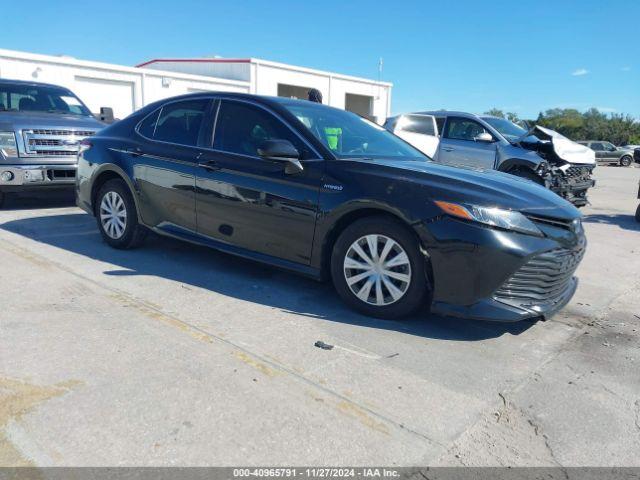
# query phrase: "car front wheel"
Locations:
[[625, 161], [117, 216], [377, 268]]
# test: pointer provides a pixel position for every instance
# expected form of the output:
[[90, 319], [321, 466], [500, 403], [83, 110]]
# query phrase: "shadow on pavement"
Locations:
[[43, 199], [194, 266], [624, 221]]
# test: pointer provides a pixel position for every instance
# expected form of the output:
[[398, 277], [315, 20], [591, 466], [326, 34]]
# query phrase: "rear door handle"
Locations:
[[448, 149], [210, 165]]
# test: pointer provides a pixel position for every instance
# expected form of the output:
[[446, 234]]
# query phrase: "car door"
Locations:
[[610, 152], [461, 144], [165, 162], [251, 202], [598, 147], [420, 131]]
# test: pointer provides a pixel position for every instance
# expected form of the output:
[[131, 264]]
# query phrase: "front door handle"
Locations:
[[135, 152], [448, 149], [210, 165]]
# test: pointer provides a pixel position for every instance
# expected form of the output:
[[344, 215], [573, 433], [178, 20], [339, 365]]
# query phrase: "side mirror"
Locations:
[[281, 151], [106, 114], [484, 137]]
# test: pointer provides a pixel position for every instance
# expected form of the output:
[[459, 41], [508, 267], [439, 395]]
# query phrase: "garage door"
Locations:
[[360, 104], [98, 92]]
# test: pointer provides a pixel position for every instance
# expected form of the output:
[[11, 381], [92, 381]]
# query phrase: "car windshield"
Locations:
[[348, 135], [40, 98], [509, 130]]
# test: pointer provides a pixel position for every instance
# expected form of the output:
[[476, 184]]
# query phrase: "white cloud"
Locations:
[[579, 72]]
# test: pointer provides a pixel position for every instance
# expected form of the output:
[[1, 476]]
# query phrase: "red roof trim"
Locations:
[[196, 60]]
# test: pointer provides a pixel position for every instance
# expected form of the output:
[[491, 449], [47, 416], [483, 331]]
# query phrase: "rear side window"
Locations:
[[177, 122], [148, 126], [416, 124], [463, 129], [597, 147], [241, 128]]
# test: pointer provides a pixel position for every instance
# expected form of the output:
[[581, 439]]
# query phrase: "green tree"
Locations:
[[494, 112]]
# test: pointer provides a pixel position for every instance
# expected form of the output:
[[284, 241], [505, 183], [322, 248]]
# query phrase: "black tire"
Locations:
[[528, 174], [2, 199], [638, 214], [132, 234], [386, 229], [626, 161]]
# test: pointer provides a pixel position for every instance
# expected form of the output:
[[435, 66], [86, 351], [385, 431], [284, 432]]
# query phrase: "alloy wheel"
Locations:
[[377, 270], [113, 215]]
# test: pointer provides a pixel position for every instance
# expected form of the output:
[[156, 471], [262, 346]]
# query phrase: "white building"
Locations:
[[365, 97], [126, 89]]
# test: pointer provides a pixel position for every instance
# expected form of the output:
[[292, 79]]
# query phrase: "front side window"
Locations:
[[242, 128], [463, 129], [178, 122], [349, 136], [508, 129], [416, 124], [40, 98]]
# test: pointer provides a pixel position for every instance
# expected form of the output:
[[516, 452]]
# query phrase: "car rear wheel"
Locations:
[[117, 216], [377, 268], [626, 161]]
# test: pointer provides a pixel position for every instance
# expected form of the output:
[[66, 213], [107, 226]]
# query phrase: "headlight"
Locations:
[[8, 145], [495, 217]]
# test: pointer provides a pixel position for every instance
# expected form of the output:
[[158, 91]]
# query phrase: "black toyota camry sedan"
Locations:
[[328, 194]]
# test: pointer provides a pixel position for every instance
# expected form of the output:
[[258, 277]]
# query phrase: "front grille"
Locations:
[[554, 222], [45, 142], [543, 279], [56, 153], [578, 172], [63, 133]]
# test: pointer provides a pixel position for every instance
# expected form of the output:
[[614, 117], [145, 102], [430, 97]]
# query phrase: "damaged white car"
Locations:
[[485, 142]]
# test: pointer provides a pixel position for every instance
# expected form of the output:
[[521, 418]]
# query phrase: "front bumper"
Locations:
[[26, 177], [492, 309], [488, 274]]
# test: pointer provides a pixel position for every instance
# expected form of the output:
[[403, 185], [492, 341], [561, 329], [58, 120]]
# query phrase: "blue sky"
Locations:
[[522, 56]]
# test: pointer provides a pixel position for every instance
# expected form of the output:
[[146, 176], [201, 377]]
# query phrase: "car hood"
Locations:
[[487, 188], [24, 120], [566, 149]]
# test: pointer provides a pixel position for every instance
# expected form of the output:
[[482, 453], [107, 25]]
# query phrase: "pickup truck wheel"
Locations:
[[377, 268], [626, 161], [117, 216], [528, 174]]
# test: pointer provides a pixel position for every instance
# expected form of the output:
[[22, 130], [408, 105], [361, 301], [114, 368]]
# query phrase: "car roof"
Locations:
[[8, 81], [450, 113], [277, 102]]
